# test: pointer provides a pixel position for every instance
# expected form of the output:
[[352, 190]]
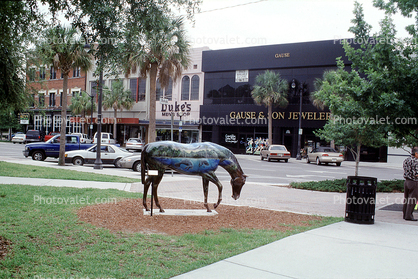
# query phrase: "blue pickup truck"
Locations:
[[51, 148]]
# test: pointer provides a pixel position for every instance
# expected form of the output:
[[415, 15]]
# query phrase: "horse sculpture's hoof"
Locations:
[[162, 210], [215, 205]]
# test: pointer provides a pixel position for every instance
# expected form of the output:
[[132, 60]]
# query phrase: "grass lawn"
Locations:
[[20, 170], [49, 241]]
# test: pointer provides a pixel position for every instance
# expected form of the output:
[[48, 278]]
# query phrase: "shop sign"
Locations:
[[291, 115], [24, 118], [241, 76], [168, 109], [231, 138]]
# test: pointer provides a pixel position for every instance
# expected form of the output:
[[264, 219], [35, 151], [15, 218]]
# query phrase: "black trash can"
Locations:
[[361, 199]]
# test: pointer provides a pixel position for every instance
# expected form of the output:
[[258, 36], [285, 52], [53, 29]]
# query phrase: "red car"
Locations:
[[50, 135]]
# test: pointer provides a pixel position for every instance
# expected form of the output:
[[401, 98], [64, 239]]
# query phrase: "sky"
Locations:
[[224, 24]]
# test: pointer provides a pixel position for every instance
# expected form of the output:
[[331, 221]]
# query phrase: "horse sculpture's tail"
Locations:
[[143, 165]]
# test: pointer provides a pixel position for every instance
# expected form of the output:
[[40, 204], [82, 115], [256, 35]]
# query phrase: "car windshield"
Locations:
[[328, 150], [282, 148], [134, 140]]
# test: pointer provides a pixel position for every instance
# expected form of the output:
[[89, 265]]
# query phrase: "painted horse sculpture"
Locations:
[[193, 159]]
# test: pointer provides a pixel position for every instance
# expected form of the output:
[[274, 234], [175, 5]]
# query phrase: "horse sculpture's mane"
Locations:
[[193, 159]]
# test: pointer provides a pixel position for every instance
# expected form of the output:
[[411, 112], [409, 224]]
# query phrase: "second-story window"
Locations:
[[41, 100], [42, 73], [53, 73], [31, 74], [185, 88], [190, 90], [52, 99], [76, 72]]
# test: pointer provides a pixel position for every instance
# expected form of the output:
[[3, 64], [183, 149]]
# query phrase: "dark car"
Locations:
[[33, 136]]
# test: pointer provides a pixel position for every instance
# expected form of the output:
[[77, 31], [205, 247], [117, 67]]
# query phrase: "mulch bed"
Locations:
[[127, 216]]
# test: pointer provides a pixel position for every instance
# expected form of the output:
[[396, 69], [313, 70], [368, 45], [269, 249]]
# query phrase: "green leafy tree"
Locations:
[[165, 54], [19, 24], [270, 90], [64, 49], [117, 98], [390, 66], [82, 105], [352, 123]]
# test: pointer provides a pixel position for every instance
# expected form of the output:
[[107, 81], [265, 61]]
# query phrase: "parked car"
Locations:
[[134, 144], [51, 135], [41, 150], [130, 162], [19, 138], [110, 154], [83, 138], [275, 152], [106, 138], [325, 155], [33, 136]]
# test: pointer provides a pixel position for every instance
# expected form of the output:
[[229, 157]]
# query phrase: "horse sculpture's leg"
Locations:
[[148, 181], [213, 178], [205, 192], [155, 183]]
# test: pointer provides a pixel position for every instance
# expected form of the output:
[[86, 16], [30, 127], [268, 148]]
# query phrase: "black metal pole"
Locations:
[[91, 118], [298, 157], [98, 163]]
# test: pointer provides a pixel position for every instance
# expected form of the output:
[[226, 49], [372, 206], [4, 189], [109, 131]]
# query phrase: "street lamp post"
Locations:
[[98, 165], [298, 156], [180, 126], [91, 117]]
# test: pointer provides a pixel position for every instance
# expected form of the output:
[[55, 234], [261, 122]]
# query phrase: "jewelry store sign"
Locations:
[[241, 76]]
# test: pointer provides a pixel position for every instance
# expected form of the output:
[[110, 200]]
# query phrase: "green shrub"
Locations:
[[339, 185]]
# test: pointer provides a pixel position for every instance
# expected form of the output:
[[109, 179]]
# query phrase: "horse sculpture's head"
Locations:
[[237, 184]]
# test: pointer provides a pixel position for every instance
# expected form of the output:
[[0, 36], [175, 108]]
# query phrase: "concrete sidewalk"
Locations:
[[386, 249]]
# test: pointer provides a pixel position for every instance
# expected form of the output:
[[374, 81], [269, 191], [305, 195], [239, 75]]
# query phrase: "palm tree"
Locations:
[[82, 104], [270, 90], [117, 98], [165, 54], [65, 50]]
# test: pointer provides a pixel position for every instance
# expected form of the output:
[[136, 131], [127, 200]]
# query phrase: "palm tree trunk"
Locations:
[[152, 103], [61, 160], [270, 124]]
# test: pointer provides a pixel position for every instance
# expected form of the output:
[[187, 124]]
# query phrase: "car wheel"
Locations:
[[338, 164], [307, 160], [262, 158], [137, 166], [78, 161], [286, 160], [318, 162], [268, 158], [38, 156], [117, 162]]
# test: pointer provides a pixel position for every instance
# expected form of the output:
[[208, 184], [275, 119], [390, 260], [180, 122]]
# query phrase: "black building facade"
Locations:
[[229, 115]]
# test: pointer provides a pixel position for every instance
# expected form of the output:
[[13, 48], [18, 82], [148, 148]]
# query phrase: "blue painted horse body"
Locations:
[[193, 159]]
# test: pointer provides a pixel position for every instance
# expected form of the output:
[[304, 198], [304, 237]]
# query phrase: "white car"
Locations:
[[134, 144], [325, 155], [83, 138], [110, 154], [106, 138], [20, 138]]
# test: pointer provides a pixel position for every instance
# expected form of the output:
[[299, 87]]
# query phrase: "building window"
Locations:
[[76, 72], [185, 88], [31, 74], [38, 122], [42, 73], [52, 99], [133, 82], [194, 92], [61, 97], [53, 73], [75, 93], [41, 99], [141, 89], [166, 93]]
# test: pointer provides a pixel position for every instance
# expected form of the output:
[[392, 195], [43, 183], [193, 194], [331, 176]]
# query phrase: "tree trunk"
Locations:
[[357, 159], [61, 160], [270, 124], [152, 103], [115, 114]]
